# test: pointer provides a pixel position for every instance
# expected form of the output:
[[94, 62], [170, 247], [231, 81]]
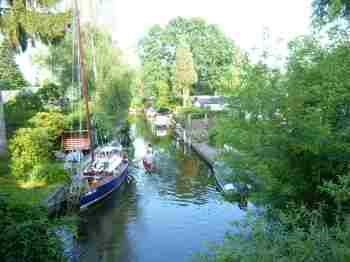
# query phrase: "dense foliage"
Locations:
[[292, 129], [10, 75], [32, 148], [38, 19], [329, 10], [185, 74], [284, 240], [214, 56], [113, 86], [27, 234], [20, 109], [110, 80]]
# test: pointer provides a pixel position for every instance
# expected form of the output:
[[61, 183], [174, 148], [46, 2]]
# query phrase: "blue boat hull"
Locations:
[[102, 191]]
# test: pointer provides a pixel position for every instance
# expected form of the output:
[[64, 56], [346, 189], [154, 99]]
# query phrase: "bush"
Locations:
[[32, 148], [26, 234], [50, 172], [52, 121], [285, 239], [29, 147]]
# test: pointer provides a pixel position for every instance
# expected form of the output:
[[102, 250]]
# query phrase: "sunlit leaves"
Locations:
[[21, 21]]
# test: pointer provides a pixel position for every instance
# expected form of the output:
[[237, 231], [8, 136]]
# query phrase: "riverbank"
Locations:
[[31, 192], [197, 138], [178, 202], [27, 218]]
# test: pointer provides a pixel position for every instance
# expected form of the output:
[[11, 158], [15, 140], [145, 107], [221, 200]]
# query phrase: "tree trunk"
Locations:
[[3, 142]]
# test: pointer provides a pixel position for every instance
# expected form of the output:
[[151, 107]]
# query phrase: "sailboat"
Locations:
[[107, 168]]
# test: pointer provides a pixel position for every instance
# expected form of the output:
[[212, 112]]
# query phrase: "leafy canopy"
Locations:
[[10, 74]]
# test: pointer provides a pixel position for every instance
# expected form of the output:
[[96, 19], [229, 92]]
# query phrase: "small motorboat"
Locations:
[[104, 175]]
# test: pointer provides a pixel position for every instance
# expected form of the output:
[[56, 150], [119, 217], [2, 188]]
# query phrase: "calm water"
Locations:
[[166, 216]]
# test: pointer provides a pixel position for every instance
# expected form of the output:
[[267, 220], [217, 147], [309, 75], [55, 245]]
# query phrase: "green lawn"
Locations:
[[31, 192], [28, 192]]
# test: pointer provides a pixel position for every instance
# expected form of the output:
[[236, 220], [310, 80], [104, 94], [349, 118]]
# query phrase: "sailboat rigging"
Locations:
[[107, 169]]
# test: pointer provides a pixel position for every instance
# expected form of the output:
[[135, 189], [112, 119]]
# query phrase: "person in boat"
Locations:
[[148, 159]]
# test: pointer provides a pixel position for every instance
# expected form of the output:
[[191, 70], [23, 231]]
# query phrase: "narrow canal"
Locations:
[[165, 216]]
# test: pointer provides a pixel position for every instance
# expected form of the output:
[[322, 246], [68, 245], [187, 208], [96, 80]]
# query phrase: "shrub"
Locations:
[[29, 147], [52, 121], [284, 239], [50, 172], [26, 234]]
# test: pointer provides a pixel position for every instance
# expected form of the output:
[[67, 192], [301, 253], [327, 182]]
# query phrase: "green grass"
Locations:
[[32, 192]]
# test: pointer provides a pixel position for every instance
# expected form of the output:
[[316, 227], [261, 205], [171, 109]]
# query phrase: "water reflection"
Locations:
[[165, 216]]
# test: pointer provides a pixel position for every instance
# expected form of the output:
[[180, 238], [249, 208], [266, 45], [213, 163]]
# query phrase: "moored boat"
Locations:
[[104, 175]]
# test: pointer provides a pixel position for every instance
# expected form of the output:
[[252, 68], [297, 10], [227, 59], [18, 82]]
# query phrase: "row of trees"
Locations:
[[22, 20], [292, 130], [110, 79], [187, 56], [34, 125]]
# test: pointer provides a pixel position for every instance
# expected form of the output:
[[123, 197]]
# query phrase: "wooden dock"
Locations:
[[208, 153]]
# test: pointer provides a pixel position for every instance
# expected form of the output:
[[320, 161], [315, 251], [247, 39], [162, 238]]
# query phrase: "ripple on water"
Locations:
[[165, 216]]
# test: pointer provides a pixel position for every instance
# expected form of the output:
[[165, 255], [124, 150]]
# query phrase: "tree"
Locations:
[[10, 74], [213, 53], [22, 20], [329, 10], [293, 130], [30, 147], [3, 140], [11, 78], [20, 109], [164, 94], [185, 75]]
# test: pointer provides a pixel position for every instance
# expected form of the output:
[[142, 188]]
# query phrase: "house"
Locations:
[[213, 103]]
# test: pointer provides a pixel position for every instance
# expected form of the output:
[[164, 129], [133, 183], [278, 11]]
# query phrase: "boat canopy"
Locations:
[[114, 163]]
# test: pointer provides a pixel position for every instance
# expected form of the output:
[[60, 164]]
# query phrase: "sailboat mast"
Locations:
[[85, 84]]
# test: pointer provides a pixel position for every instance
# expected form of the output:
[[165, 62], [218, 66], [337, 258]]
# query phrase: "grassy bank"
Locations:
[[32, 192], [29, 192]]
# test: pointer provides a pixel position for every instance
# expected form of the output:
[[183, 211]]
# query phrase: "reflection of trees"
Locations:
[[192, 178], [103, 228], [190, 167], [142, 129]]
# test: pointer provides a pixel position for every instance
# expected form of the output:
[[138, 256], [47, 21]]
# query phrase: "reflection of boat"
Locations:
[[106, 174]]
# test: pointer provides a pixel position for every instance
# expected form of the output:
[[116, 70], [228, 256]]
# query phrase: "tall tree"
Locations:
[[11, 78], [328, 10], [10, 74], [185, 75], [22, 19], [213, 53], [3, 141]]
